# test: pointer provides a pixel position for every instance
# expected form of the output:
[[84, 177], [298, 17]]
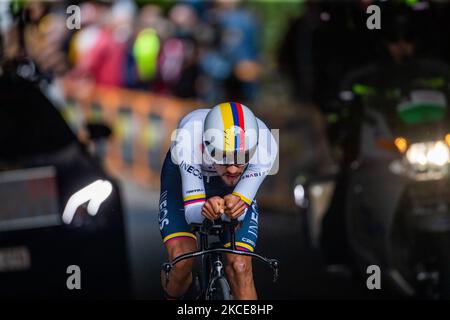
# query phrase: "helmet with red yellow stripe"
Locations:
[[230, 134]]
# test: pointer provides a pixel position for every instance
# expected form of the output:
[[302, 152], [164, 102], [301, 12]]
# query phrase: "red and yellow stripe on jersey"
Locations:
[[240, 246], [247, 201], [179, 235], [197, 198], [233, 116]]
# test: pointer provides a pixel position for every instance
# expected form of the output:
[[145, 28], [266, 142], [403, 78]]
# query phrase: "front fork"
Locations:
[[217, 268], [216, 273]]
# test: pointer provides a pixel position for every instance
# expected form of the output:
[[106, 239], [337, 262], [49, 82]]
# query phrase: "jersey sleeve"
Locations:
[[260, 165], [186, 153], [193, 193]]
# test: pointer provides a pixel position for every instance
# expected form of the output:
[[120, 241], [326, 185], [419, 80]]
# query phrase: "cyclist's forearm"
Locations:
[[193, 213]]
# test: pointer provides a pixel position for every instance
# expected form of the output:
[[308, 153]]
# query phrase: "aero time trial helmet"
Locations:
[[230, 134]]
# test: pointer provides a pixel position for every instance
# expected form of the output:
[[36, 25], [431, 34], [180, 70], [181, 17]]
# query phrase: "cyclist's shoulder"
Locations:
[[196, 115], [261, 124]]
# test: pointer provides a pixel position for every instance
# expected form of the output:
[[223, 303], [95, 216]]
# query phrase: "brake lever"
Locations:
[[275, 267], [167, 267]]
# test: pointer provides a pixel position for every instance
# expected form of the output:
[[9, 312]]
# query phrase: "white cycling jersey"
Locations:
[[187, 153]]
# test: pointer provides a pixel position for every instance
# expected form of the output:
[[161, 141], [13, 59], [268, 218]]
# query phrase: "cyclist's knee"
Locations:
[[240, 265]]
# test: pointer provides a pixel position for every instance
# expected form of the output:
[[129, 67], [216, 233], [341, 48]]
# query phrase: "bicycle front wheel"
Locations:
[[220, 290]]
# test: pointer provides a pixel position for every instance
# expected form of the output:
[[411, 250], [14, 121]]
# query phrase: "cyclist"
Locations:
[[215, 165]]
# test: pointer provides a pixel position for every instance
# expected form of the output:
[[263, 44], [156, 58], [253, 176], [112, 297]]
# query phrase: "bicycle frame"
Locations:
[[205, 252]]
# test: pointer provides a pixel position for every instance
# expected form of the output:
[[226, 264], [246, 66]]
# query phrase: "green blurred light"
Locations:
[[411, 3], [145, 51], [420, 113], [332, 118], [435, 83], [363, 90]]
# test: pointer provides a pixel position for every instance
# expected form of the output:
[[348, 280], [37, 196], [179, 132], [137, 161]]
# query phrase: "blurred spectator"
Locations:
[[233, 64], [189, 49], [105, 61], [142, 59], [178, 70], [143, 48], [167, 49], [43, 39]]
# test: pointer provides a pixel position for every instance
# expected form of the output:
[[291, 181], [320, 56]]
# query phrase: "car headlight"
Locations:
[[439, 154], [300, 196], [422, 154], [94, 194]]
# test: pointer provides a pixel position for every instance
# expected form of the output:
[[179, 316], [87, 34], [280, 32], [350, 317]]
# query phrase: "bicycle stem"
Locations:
[[233, 225]]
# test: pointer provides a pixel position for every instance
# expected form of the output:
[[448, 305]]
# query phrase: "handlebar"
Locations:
[[273, 263], [206, 227]]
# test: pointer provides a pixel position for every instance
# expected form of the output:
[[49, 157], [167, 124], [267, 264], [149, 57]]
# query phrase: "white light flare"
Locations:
[[95, 193]]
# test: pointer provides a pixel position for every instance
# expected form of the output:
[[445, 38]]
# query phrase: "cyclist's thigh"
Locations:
[[247, 234], [172, 223]]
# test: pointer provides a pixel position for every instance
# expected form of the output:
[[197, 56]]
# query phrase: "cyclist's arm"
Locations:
[[260, 165], [187, 155], [194, 195]]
